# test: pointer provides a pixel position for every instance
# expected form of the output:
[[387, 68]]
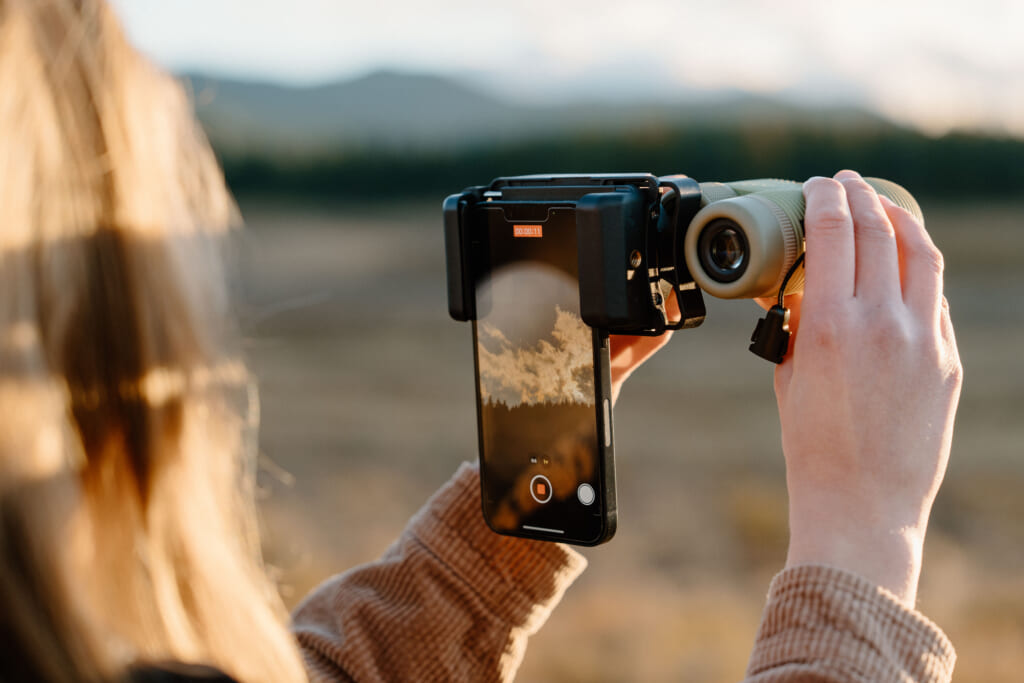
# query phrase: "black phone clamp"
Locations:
[[630, 231]]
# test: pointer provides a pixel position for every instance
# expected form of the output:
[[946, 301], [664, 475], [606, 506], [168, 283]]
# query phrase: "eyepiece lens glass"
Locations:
[[723, 250], [727, 250]]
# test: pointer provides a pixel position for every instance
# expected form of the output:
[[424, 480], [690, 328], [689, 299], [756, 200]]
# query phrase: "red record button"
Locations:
[[540, 489]]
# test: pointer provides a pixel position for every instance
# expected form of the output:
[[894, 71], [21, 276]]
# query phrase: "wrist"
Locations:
[[888, 555]]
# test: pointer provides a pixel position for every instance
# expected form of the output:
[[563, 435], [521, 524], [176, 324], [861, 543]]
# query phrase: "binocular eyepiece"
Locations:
[[748, 234]]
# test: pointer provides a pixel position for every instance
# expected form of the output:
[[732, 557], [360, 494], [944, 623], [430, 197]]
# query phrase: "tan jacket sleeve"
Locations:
[[450, 600], [825, 624]]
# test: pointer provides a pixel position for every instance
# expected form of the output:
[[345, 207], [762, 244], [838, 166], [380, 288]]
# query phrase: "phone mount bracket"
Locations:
[[630, 231]]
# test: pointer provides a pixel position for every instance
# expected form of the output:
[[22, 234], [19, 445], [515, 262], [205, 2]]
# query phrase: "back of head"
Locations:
[[126, 522]]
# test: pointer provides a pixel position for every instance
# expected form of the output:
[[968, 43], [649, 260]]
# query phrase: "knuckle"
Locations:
[[894, 319], [948, 346], [930, 256], [947, 362], [900, 213], [824, 330], [856, 185], [945, 319], [829, 219], [820, 183], [956, 370], [889, 328], [873, 226]]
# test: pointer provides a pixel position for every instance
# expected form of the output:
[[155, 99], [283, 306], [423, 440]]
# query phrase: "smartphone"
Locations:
[[542, 379]]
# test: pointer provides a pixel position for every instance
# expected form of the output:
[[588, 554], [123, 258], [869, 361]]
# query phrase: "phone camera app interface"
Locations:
[[535, 371]]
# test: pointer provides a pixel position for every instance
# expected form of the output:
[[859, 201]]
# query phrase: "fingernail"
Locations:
[[847, 174]]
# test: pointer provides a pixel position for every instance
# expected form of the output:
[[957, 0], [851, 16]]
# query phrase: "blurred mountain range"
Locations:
[[390, 134], [423, 113]]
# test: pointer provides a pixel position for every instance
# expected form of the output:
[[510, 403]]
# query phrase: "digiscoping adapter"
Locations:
[[641, 237]]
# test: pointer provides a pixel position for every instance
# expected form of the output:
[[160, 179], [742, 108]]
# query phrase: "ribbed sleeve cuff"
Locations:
[[521, 580], [832, 621]]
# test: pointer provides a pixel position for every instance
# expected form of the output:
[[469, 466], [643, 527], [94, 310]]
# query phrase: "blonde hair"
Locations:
[[127, 528]]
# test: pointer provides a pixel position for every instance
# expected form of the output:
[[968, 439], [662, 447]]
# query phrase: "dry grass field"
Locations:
[[368, 406]]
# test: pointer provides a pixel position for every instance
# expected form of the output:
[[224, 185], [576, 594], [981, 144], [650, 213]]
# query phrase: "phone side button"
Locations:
[[607, 423]]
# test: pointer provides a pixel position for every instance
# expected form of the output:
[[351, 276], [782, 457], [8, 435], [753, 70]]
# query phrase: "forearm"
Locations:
[[450, 600]]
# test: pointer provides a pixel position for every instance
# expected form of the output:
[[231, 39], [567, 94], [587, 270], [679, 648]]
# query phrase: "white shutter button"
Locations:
[[586, 494]]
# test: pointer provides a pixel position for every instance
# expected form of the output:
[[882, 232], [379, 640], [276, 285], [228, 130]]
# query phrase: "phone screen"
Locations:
[[543, 421]]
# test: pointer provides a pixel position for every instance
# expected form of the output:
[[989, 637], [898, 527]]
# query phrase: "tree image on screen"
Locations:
[[536, 378], [559, 370]]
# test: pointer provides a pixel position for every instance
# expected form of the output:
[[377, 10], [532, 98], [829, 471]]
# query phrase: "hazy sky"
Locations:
[[934, 63]]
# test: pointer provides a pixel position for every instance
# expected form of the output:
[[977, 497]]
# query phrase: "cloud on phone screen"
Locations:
[[556, 369]]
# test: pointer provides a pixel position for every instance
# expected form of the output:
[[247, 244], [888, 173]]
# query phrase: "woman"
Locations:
[[127, 524], [127, 541]]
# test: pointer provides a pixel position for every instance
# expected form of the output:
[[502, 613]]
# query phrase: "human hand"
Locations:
[[868, 392], [628, 352]]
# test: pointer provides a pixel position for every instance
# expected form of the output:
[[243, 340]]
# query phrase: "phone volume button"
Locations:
[[607, 423]]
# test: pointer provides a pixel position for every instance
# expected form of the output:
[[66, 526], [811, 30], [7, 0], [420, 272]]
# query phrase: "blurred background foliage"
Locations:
[[967, 166]]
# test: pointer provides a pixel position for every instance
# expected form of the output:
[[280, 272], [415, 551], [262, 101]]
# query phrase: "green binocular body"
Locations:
[[749, 233]]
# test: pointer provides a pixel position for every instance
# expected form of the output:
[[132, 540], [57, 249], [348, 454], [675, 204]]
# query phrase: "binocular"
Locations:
[[640, 237], [749, 233]]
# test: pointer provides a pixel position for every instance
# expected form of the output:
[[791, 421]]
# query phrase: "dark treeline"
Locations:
[[950, 167]]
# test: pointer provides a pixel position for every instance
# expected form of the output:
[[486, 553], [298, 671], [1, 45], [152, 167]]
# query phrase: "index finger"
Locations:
[[830, 267]]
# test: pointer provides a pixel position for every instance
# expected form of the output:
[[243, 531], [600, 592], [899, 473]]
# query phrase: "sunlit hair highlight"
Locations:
[[127, 529]]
